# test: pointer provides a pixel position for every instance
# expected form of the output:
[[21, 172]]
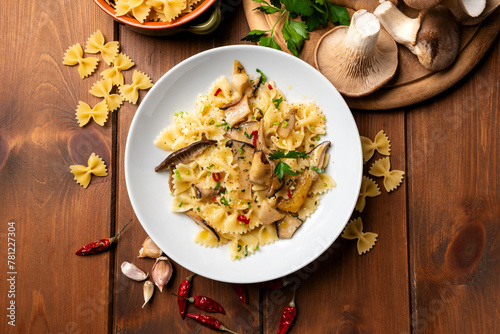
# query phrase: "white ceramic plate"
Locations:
[[174, 232]]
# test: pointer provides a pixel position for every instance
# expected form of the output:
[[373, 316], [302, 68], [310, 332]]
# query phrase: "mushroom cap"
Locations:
[[438, 40], [356, 74], [422, 4]]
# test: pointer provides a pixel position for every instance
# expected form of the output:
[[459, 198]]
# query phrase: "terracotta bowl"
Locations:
[[185, 22]]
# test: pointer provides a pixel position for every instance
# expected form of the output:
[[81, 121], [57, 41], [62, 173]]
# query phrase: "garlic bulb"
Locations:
[[161, 272], [131, 271], [149, 249], [148, 290]]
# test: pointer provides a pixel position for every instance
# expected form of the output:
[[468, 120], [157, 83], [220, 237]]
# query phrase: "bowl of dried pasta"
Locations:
[[164, 17]]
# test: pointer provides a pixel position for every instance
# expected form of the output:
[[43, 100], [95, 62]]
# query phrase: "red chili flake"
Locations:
[[243, 219], [217, 91], [209, 322], [204, 303], [254, 137], [288, 316], [241, 291], [289, 193], [99, 245], [184, 292], [214, 198], [216, 177], [270, 87]]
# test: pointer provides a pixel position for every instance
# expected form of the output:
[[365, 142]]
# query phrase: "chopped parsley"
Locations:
[[249, 136], [224, 202], [317, 170], [277, 102], [177, 174], [238, 248], [180, 204], [246, 250], [217, 186], [262, 76], [211, 165], [285, 124]]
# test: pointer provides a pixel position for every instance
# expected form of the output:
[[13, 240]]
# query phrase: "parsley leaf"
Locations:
[[254, 36], [262, 76], [283, 168], [268, 9], [289, 155]]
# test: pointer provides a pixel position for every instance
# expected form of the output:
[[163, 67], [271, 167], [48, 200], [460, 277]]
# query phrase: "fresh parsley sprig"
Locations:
[[282, 167], [313, 14]]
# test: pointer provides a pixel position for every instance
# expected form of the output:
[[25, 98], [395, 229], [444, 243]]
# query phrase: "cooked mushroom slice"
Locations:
[[238, 112], [244, 132], [202, 223], [260, 173], [268, 214], [275, 183], [239, 81], [252, 87], [423, 4], [202, 191], [287, 226], [434, 37], [358, 59], [185, 155], [243, 153], [287, 125], [306, 179]]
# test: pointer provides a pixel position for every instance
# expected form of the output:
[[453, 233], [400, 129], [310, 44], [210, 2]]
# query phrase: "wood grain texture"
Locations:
[[40, 138], [343, 292], [453, 218], [162, 315]]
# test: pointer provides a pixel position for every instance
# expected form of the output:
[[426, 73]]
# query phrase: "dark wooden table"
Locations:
[[435, 268]]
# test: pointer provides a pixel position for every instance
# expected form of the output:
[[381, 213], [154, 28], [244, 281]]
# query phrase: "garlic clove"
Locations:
[[148, 290], [161, 272], [149, 249], [131, 271]]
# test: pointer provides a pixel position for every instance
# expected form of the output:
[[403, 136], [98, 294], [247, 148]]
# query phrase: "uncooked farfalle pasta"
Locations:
[[381, 144], [248, 166], [83, 174], [153, 10], [354, 230]]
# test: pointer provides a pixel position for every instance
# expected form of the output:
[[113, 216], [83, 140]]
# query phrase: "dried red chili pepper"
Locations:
[[255, 135], [209, 322], [99, 245], [288, 316], [216, 177], [204, 303], [270, 87], [184, 292], [243, 219], [217, 91], [274, 284], [241, 291], [289, 193]]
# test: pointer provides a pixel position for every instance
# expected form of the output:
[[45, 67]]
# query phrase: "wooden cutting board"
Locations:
[[412, 82]]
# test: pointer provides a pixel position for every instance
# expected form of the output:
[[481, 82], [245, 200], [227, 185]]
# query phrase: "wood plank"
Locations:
[[343, 292], [56, 291], [453, 205], [161, 316]]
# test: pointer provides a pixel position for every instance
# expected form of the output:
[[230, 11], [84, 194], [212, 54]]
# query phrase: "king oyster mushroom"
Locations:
[[244, 132], [202, 223], [306, 179], [202, 191], [243, 153], [268, 214], [471, 12], [185, 155], [286, 127], [358, 59], [434, 37], [287, 226], [260, 173], [275, 184], [422, 4]]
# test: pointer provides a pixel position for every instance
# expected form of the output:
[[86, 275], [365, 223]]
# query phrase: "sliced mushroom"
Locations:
[[239, 80], [260, 173], [243, 153], [434, 37], [238, 112], [252, 87], [287, 226], [306, 179], [268, 214], [422, 4], [202, 223], [203, 192], [358, 59], [243, 132], [275, 183], [288, 123], [185, 155]]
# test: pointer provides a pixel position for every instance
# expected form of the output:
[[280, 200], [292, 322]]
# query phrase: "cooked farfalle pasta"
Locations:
[[84, 113], [130, 92], [354, 230], [96, 44], [103, 88], [121, 63], [392, 179], [368, 189], [227, 185], [74, 56], [381, 144], [83, 174]]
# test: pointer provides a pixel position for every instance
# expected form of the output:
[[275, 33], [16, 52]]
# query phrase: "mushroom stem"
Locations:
[[361, 38], [402, 28]]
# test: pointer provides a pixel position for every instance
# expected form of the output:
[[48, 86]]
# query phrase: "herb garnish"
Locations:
[[313, 14], [317, 170], [283, 168], [262, 76], [277, 102], [224, 202]]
